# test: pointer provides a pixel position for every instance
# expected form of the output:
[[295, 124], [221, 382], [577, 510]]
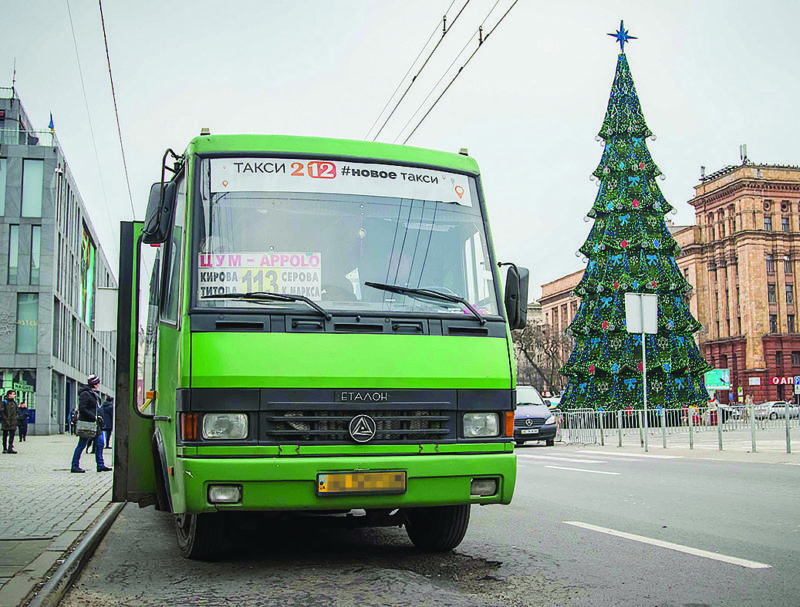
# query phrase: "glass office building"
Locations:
[[51, 266]]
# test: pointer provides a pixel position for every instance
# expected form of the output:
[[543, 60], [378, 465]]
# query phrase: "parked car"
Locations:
[[533, 419], [775, 409]]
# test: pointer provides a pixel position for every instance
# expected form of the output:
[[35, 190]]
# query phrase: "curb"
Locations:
[[61, 581]]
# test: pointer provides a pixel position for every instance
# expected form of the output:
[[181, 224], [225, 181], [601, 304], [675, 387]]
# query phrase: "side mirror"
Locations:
[[516, 296], [160, 208]]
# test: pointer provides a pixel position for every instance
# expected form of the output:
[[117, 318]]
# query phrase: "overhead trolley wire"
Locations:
[[116, 111], [410, 67], [89, 117], [481, 40], [478, 33], [445, 30]]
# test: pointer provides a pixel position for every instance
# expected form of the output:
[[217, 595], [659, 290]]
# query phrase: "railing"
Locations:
[[21, 137], [701, 427]]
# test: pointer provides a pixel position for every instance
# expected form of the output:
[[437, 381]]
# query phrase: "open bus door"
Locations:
[[135, 472]]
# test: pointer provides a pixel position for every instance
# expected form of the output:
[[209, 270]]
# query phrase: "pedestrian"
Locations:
[[748, 405], [108, 421], [9, 415], [89, 411], [22, 422]]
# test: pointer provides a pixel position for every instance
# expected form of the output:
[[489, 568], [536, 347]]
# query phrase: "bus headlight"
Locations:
[[481, 424], [225, 426]]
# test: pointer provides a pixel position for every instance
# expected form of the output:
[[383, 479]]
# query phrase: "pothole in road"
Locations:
[[475, 575]]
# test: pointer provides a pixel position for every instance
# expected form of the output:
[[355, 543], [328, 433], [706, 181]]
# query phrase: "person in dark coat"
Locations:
[[89, 410], [9, 415], [108, 420], [22, 422]]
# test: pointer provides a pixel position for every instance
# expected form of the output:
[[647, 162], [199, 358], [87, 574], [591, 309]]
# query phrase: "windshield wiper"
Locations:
[[267, 296], [430, 293]]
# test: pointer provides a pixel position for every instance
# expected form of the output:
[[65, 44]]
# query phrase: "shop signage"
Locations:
[[783, 381]]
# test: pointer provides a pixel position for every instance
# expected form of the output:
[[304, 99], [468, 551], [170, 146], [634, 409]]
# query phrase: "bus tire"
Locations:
[[550, 442], [200, 536], [438, 528]]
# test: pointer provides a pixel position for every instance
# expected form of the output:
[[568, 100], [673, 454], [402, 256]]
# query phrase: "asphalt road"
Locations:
[[584, 529]]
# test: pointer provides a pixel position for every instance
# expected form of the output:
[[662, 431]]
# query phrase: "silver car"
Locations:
[[775, 409]]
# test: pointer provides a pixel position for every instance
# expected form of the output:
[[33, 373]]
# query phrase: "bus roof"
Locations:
[[210, 144]]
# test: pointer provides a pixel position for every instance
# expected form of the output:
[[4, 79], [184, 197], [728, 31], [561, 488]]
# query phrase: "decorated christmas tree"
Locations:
[[630, 249]]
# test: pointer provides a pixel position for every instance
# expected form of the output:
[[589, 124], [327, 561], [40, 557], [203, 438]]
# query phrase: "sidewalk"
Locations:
[[45, 509]]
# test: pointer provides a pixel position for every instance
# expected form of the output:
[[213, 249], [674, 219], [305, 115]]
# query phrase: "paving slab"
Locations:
[[52, 509]]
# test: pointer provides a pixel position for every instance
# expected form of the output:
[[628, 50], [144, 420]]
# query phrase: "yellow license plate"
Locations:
[[336, 483]]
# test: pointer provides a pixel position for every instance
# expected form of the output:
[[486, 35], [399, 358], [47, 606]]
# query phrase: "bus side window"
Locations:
[[172, 285]]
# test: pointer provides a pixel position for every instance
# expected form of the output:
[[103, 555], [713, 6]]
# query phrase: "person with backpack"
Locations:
[[9, 414], [89, 410]]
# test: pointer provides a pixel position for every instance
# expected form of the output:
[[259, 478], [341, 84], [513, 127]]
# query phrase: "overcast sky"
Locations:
[[711, 74]]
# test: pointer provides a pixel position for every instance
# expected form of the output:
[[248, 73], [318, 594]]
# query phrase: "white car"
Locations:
[[775, 409]]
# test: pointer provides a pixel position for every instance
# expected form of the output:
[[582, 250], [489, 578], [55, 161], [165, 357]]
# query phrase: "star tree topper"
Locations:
[[622, 36]]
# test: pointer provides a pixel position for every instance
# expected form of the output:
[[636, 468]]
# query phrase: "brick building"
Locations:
[[746, 253]]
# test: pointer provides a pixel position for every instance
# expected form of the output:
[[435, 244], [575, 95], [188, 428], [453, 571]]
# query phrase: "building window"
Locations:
[[796, 359], [787, 265], [785, 223], [13, 254], [770, 264], [768, 223], [739, 323], [778, 359], [790, 323], [789, 294], [36, 249], [771, 298], [32, 179], [773, 323], [2, 185], [27, 322]]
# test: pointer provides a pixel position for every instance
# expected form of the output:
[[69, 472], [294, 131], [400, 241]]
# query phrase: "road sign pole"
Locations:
[[644, 381]]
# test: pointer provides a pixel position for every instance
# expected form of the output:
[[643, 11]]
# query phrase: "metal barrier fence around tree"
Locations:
[[741, 426]]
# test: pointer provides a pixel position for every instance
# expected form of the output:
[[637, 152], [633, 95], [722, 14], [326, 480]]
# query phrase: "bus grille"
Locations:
[[308, 426]]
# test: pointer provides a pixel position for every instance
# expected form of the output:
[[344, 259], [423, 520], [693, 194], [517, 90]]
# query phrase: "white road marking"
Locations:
[[662, 544], [582, 470], [631, 454], [562, 459]]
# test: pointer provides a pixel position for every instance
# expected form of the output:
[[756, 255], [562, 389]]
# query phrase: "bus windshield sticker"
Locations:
[[289, 273], [338, 177]]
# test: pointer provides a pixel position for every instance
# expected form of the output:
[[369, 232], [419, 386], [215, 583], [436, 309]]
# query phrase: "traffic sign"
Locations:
[[641, 312], [797, 384]]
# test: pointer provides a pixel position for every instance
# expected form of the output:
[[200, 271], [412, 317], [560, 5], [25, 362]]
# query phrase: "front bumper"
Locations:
[[289, 483], [544, 432]]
